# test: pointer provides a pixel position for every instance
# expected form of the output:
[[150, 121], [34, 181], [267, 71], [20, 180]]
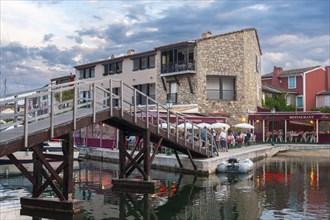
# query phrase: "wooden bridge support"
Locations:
[[128, 162], [45, 175]]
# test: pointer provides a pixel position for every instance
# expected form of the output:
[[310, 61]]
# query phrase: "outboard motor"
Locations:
[[232, 160]]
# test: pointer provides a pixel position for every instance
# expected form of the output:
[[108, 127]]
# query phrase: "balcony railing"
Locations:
[[179, 66]]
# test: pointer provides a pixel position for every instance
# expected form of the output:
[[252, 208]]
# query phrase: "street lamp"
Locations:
[[273, 113], [169, 104]]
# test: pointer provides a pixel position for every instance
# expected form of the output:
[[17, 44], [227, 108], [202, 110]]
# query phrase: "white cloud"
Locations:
[[258, 7], [285, 38]]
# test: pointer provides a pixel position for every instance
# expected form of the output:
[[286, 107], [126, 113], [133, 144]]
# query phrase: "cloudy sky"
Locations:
[[41, 40]]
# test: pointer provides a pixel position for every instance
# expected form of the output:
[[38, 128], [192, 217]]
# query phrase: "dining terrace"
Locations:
[[291, 127]]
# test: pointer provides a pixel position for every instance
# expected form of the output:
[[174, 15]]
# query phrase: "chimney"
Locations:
[[112, 56], [206, 34], [327, 77], [276, 72], [130, 52]]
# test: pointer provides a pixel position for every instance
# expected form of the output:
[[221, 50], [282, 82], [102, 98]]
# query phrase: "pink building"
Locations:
[[305, 88]]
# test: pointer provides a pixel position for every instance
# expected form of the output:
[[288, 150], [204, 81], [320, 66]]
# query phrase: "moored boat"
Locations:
[[235, 165]]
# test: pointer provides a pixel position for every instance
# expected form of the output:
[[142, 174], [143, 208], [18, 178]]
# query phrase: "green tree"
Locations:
[[323, 109], [278, 102], [66, 95]]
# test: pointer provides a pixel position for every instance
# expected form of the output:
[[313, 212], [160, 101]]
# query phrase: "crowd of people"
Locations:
[[225, 139]]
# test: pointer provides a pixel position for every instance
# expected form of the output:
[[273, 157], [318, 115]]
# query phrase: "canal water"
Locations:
[[282, 187]]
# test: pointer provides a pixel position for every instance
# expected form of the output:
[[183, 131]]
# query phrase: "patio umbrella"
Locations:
[[164, 125], [203, 124], [188, 126], [220, 125], [244, 125]]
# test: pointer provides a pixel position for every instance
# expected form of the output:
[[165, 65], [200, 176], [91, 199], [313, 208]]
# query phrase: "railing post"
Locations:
[[200, 140], [75, 103], [193, 137], [122, 98], [135, 113], [26, 121], [185, 131], [60, 99], [157, 117], [15, 110], [52, 113], [177, 130], [110, 98], [168, 122], [147, 112], [94, 103]]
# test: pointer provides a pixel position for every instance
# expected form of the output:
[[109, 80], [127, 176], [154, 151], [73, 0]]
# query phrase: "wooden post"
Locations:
[[146, 147], [37, 169], [122, 158], [67, 148]]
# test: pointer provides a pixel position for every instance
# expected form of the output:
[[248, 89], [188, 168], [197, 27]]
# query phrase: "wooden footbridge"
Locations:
[[57, 111]]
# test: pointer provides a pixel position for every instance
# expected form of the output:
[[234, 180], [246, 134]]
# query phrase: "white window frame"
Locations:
[[295, 82], [327, 100], [302, 104]]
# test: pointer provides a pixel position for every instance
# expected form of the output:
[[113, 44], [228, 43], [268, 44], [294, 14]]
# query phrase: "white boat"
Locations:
[[234, 165], [49, 147]]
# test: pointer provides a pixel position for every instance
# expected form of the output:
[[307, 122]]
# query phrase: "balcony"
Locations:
[[178, 60], [178, 68]]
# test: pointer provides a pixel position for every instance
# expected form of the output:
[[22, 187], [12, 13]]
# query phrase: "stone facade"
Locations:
[[234, 54]]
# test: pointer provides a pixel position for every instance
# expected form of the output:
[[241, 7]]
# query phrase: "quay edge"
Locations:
[[204, 166]]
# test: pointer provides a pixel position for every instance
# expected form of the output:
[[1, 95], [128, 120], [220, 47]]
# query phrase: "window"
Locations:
[[152, 61], [299, 102], [112, 68], [292, 82], [148, 89], [87, 73], [327, 101], [119, 67], [221, 87], [142, 63]]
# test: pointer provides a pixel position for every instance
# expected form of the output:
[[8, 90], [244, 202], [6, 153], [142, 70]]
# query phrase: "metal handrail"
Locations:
[[101, 98]]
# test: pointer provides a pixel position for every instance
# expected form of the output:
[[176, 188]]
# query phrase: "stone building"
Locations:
[[217, 75], [221, 74]]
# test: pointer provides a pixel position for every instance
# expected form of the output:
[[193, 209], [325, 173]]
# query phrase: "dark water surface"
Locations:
[[278, 188]]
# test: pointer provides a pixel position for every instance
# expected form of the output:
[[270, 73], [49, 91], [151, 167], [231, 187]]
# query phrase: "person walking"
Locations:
[[223, 140]]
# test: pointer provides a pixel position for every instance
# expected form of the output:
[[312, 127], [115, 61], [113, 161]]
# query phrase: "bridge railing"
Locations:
[[95, 96]]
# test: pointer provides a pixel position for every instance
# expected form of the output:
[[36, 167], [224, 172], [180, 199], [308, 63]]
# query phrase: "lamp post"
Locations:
[[169, 104], [273, 113]]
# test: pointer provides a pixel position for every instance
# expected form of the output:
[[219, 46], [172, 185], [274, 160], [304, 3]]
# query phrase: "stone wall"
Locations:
[[232, 54]]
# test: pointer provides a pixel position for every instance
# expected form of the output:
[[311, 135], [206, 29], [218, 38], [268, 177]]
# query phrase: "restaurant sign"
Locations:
[[294, 116]]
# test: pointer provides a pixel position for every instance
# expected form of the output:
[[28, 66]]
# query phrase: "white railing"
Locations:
[[95, 96]]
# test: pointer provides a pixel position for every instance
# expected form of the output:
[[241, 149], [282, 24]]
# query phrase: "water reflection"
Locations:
[[279, 188]]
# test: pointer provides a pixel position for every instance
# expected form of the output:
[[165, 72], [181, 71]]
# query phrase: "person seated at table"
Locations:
[[313, 137], [231, 139], [239, 139], [268, 134], [303, 137], [247, 138], [280, 135], [275, 135]]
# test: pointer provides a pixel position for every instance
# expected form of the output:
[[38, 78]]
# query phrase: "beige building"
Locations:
[[214, 74]]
